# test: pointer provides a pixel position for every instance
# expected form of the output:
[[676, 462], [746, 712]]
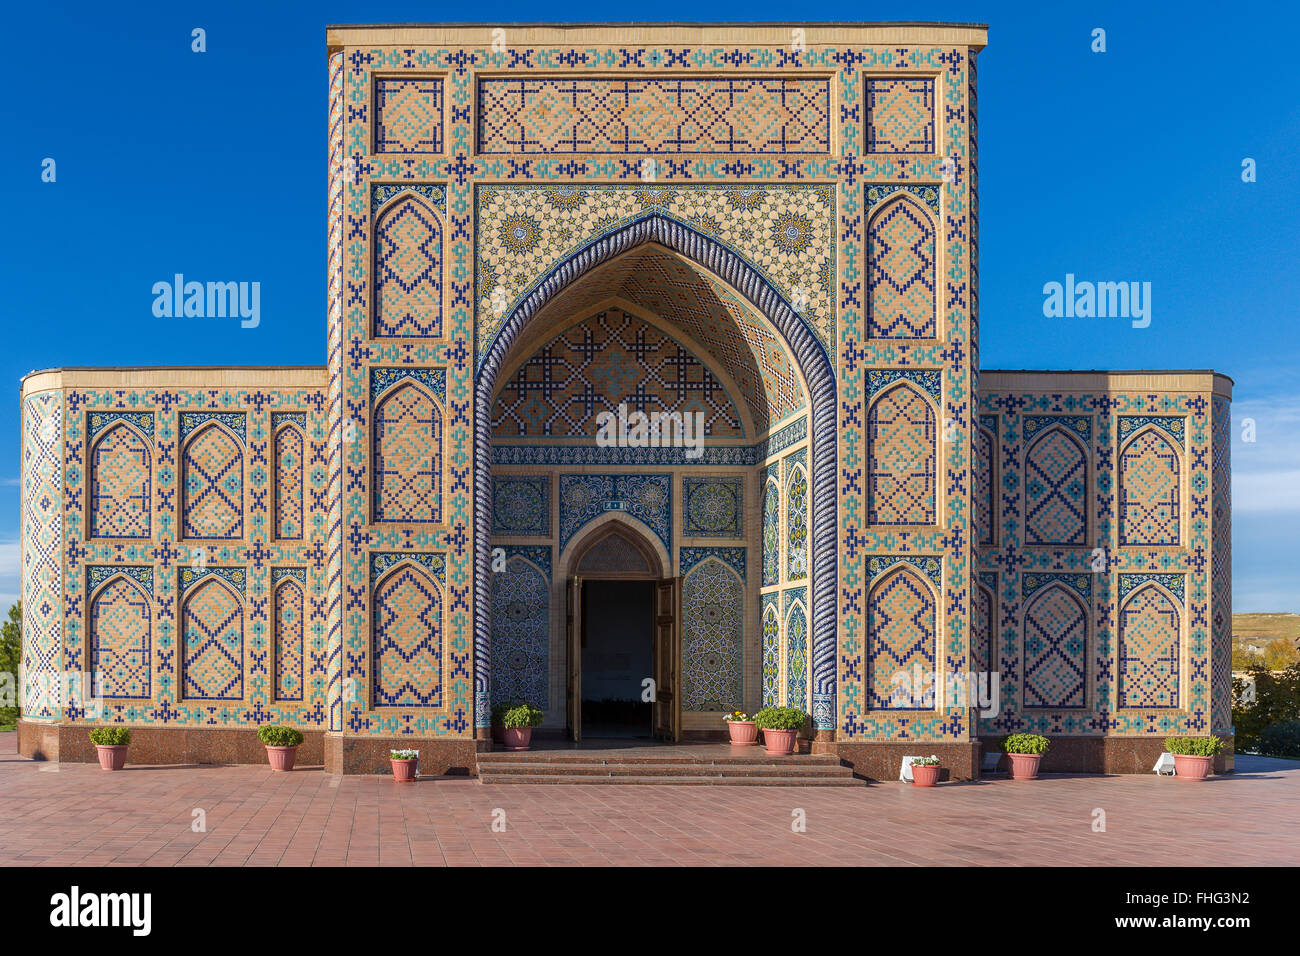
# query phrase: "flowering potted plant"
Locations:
[[1025, 751], [780, 726], [1193, 756], [281, 745], [404, 762], [741, 727], [110, 745], [925, 771], [519, 722]]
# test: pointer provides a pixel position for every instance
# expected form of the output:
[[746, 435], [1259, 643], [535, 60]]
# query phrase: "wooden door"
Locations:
[[667, 710], [573, 619]]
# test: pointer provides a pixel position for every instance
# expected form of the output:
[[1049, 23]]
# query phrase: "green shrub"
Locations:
[[1025, 744], [1276, 698], [499, 711], [110, 736], [273, 735], [1281, 739], [931, 761], [11, 643], [1193, 746], [521, 716], [780, 718], [405, 753]]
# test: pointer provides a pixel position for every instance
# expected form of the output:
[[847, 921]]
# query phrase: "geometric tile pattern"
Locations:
[[43, 519], [408, 457], [901, 459], [648, 498], [1056, 472], [755, 114], [407, 661], [982, 629], [1055, 648], [408, 115], [796, 642], [713, 609], [408, 271], [213, 482], [900, 115], [1220, 661], [613, 359], [900, 244], [796, 520], [1148, 650], [713, 507], [521, 604], [120, 632], [900, 638], [290, 606], [1148, 491], [982, 480], [288, 483], [213, 650], [521, 505], [121, 469]]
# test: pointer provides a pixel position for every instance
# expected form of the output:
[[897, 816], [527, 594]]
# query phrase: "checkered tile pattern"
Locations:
[[901, 459], [900, 637], [1148, 650], [213, 478], [213, 653], [290, 606], [408, 271], [900, 115], [1148, 491], [120, 640], [408, 457], [407, 640], [1055, 647], [408, 115], [900, 244], [1056, 470], [982, 630], [288, 483], [121, 472]]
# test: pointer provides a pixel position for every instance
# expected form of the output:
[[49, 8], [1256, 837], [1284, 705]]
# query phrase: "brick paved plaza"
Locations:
[[76, 814]]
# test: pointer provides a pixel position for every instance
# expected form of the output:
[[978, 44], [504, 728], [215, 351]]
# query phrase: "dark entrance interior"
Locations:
[[617, 656]]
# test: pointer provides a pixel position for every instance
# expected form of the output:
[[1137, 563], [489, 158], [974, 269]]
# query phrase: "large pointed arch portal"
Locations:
[[709, 255]]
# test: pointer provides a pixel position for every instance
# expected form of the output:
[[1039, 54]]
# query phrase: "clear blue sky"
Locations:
[[1122, 165]]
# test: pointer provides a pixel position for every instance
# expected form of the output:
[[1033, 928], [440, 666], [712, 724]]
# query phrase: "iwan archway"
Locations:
[[574, 285]]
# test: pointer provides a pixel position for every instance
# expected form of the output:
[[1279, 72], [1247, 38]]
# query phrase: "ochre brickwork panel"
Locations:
[[121, 478]]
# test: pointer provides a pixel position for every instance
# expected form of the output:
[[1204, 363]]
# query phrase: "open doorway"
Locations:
[[617, 658]]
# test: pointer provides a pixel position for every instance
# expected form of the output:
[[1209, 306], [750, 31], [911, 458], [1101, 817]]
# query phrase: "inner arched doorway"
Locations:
[[765, 390]]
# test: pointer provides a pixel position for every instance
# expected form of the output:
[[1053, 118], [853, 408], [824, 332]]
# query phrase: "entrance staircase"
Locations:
[[703, 765]]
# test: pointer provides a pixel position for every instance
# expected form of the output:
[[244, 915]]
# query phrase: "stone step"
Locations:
[[579, 757], [712, 771], [673, 781]]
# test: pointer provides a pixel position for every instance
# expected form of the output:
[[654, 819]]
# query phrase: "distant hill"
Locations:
[[1251, 632]]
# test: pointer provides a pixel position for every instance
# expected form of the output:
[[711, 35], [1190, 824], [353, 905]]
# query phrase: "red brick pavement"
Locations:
[[79, 815]]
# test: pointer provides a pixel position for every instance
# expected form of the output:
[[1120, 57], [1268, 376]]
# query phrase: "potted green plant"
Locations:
[[499, 712], [780, 726], [110, 746], [741, 729], [281, 745], [404, 762], [1025, 751], [518, 723], [925, 771], [1193, 756]]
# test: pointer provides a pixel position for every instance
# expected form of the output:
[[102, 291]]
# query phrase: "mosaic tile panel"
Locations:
[[1221, 574], [648, 498], [901, 638], [572, 383], [42, 515], [289, 480], [521, 505], [407, 457], [1056, 473], [591, 114], [213, 485], [982, 480], [408, 634], [713, 507], [521, 602], [408, 270], [121, 479], [983, 627], [1149, 650], [796, 643], [713, 609], [1055, 649], [213, 651], [796, 520], [771, 621], [900, 115], [772, 529], [121, 632], [290, 629], [901, 284], [408, 115], [1149, 491], [901, 459]]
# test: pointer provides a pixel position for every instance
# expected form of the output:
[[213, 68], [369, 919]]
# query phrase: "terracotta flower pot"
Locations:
[[743, 733], [403, 770], [779, 743], [925, 775], [1190, 768], [111, 758], [517, 738], [1024, 766], [281, 758]]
